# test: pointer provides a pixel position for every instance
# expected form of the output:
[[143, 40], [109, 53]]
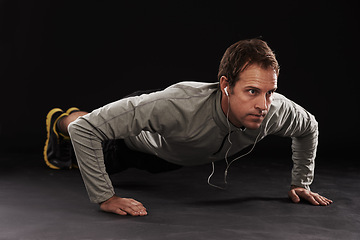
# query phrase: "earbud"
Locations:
[[226, 92]]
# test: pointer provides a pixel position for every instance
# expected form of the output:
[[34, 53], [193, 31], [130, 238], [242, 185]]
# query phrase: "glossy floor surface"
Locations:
[[39, 203]]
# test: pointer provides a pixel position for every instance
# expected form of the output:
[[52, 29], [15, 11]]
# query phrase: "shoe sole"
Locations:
[[48, 129]]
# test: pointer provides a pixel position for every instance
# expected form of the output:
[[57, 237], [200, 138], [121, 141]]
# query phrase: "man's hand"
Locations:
[[314, 198], [123, 206]]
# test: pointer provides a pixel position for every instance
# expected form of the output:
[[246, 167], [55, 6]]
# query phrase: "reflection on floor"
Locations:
[[39, 203]]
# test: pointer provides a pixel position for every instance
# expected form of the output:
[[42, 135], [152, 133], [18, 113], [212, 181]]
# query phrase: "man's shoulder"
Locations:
[[279, 97], [192, 87], [182, 93], [282, 106], [280, 101], [286, 118]]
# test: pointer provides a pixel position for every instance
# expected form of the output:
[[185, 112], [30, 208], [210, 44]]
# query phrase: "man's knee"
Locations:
[[72, 117], [66, 123]]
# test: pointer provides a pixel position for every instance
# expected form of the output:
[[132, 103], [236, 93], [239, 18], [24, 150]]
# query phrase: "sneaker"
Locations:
[[72, 109], [57, 150]]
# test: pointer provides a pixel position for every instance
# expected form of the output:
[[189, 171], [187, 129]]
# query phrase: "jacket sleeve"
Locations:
[[118, 120], [295, 122]]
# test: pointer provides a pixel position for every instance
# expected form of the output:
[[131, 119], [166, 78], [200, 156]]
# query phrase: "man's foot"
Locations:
[[57, 150]]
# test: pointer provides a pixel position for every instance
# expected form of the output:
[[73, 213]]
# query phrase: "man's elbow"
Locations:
[[71, 129], [313, 126], [80, 128], [74, 127]]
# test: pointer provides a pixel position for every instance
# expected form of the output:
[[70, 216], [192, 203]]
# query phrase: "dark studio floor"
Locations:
[[39, 203]]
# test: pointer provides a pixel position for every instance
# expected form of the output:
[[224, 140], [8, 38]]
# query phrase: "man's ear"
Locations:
[[224, 82]]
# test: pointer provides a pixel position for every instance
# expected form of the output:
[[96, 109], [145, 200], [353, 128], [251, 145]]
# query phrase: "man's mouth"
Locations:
[[258, 115]]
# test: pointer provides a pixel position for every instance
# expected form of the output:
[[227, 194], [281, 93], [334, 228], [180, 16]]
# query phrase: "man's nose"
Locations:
[[262, 103]]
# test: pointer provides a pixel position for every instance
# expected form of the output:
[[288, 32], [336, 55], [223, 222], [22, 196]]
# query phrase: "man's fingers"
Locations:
[[310, 197], [293, 196], [314, 198], [130, 210], [123, 206], [135, 210], [120, 212], [322, 200], [328, 200], [134, 202]]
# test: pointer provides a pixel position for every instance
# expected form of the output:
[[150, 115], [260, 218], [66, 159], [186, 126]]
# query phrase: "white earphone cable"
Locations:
[[228, 150]]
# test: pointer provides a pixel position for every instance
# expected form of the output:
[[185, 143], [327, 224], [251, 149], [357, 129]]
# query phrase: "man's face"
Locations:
[[251, 97]]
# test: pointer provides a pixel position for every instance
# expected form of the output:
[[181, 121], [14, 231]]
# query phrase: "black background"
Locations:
[[87, 54]]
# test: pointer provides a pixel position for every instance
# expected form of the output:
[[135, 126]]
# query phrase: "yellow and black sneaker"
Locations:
[[57, 150], [71, 110]]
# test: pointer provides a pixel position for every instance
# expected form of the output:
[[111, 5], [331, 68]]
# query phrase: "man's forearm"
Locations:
[[89, 154], [304, 153]]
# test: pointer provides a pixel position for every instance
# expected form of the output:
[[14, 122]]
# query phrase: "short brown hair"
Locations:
[[244, 53]]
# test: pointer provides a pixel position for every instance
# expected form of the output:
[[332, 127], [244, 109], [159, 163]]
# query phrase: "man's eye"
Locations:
[[252, 91]]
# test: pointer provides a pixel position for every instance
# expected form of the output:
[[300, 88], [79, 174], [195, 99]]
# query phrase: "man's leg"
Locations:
[[58, 153], [64, 122], [118, 157]]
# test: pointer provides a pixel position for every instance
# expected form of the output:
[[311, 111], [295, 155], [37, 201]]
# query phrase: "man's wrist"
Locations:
[[106, 200]]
